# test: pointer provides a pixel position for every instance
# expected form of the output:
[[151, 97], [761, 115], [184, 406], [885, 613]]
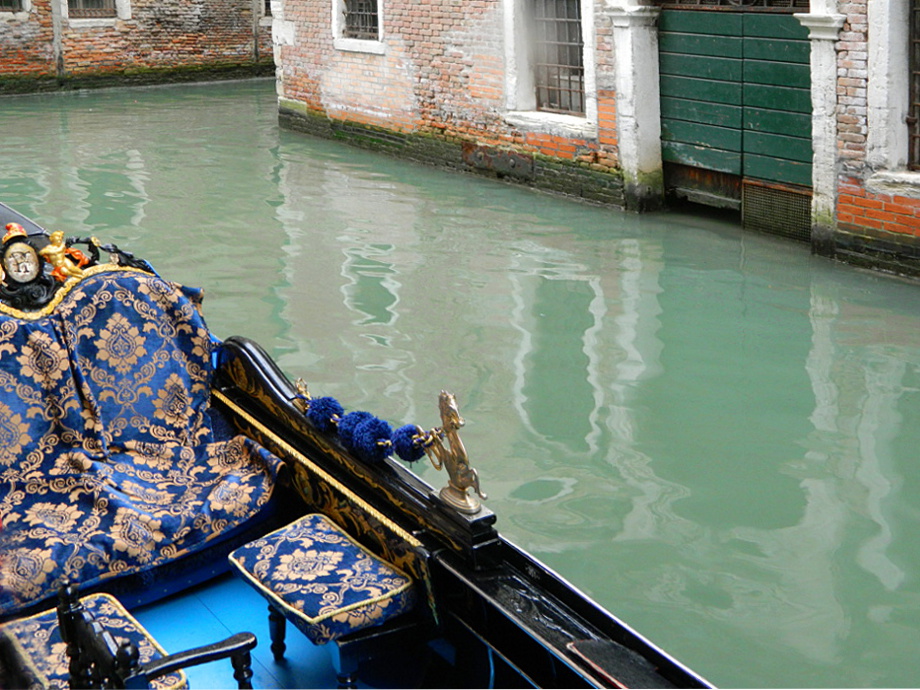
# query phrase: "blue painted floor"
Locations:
[[218, 609]]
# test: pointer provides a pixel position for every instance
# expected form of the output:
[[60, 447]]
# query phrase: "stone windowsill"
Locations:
[[901, 183], [92, 22], [569, 126], [357, 45]]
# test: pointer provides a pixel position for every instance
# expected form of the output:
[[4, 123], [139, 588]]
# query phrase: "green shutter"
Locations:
[[736, 93]]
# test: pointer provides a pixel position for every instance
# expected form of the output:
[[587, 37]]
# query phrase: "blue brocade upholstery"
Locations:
[[35, 643], [108, 462], [322, 581]]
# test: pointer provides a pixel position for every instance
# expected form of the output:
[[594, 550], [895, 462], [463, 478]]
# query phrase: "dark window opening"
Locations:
[[90, 8], [267, 11], [559, 73], [361, 19], [10, 5]]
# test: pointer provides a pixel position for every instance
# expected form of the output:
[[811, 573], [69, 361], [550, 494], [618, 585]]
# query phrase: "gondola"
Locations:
[[148, 390]]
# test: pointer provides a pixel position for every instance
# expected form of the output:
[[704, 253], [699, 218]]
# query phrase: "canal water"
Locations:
[[712, 432]]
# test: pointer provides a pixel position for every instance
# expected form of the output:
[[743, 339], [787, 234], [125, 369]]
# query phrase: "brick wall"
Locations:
[[852, 72], [859, 209], [887, 218], [26, 43], [442, 75], [160, 35]]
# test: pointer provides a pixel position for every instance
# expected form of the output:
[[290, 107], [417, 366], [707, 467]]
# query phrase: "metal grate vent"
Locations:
[[776, 210]]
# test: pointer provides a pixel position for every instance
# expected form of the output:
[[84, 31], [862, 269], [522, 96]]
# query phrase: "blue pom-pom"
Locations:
[[406, 447], [348, 424], [371, 440], [324, 413]]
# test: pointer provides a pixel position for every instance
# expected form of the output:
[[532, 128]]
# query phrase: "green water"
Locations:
[[713, 433]]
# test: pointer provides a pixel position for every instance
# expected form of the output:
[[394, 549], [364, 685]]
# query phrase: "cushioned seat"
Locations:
[[110, 463], [316, 576], [34, 644]]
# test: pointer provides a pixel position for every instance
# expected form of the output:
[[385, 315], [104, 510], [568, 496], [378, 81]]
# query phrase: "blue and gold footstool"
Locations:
[[316, 576]]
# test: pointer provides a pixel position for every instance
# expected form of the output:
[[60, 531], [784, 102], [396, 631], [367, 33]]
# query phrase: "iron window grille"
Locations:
[[361, 20], [760, 5], [10, 5], [80, 9], [559, 73], [913, 115]]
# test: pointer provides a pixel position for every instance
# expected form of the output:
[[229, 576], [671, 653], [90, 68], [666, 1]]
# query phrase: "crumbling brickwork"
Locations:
[[26, 42], [443, 73], [873, 220], [148, 36]]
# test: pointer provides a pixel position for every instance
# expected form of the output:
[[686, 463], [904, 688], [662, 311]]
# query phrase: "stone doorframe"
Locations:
[[635, 45], [823, 23], [635, 40]]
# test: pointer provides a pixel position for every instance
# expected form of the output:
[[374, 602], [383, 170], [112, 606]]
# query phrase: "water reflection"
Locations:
[[713, 433]]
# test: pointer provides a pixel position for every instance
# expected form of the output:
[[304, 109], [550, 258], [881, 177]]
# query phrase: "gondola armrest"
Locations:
[[237, 648]]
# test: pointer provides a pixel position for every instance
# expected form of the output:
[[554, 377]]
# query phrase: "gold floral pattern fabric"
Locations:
[[108, 461], [35, 644], [322, 580]]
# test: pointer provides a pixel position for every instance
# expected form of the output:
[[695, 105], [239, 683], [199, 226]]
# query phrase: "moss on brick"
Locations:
[[137, 77], [575, 179], [876, 249], [20, 85]]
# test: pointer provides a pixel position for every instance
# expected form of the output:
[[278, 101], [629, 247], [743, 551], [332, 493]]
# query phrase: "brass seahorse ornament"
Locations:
[[461, 476]]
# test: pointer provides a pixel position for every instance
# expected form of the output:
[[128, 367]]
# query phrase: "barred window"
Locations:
[[91, 8], [267, 8], [10, 5], [913, 115], [361, 19], [559, 73]]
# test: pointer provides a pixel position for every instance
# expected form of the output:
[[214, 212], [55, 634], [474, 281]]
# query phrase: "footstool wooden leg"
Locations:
[[277, 628], [347, 680]]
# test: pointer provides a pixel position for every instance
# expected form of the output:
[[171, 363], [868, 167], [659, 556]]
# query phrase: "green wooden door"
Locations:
[[735, 94]]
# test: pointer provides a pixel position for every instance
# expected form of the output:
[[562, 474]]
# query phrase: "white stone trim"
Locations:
[[635, 41], [356, 45], [520, 91], [557, 124], [19, 15], [904, 183], [823, 29], [122, 13], [888, 85]]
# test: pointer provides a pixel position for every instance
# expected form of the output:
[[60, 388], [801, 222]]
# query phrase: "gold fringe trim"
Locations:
[[288, 449], [69, 285]]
